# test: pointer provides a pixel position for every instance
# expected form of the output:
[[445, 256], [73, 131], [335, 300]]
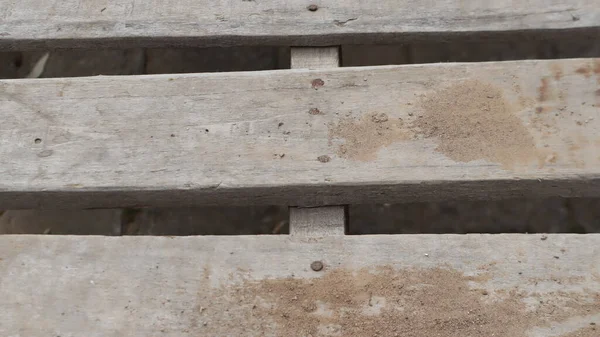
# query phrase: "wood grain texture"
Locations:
[[270, 137], [172, 286], [318, 221], [315, 58], [132, 23]]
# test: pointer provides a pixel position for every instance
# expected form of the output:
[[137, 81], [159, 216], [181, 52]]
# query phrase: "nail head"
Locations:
[[316, 266]]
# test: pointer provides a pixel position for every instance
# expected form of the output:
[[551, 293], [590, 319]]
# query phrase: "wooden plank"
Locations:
[[303, 137], [318, 221], [117, 23], [430, 285]]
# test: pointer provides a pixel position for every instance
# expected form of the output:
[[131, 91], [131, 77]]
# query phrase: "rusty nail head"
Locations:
[[312, 7], [316, 266]]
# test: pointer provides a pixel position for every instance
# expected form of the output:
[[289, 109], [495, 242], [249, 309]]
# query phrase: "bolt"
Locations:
[[312, 7], [316, 266]]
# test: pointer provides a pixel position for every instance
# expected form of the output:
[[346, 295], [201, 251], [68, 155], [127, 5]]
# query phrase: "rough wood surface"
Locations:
[[318, 221], [315, 58], [300, 137], [219, 286], [118, 23]]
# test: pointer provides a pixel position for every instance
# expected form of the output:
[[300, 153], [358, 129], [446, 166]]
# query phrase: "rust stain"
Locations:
[[315, 111], [543, 89], [543, 109], [317, 83], [557, 71], [585, 70]]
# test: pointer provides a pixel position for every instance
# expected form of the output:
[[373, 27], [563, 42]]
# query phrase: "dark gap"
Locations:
[[260, 220], [478, 50], [77, 62], [552, 215]]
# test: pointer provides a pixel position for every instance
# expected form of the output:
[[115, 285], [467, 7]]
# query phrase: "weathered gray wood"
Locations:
[[315, 58], [318, 221], [192, 286], [92, 23], [273, 137]]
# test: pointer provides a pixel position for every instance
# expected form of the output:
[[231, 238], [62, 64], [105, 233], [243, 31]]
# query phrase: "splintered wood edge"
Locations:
[[74, 283], [118, 23]]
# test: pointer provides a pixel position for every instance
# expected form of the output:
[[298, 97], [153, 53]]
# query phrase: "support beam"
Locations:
[[317, 221]]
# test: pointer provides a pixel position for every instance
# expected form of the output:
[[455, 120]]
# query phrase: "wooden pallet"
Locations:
[[317, 138]]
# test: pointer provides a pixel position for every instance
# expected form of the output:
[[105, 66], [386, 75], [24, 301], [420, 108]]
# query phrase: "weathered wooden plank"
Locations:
[[420, 285], [318, 221], [300, 137], [91, 23]]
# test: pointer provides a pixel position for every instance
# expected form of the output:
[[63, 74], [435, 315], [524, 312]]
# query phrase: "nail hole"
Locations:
[[312, 8], [38, 140]]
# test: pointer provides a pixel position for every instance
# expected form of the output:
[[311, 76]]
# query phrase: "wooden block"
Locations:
[[315, 58], [318, 221], [303, 137], [43, 24], [478, 285]]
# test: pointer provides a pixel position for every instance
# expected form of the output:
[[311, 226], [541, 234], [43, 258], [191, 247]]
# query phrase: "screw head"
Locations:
[[316, 266], [312, 7]]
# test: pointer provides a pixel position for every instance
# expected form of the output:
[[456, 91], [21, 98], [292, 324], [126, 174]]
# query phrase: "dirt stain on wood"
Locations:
[[543, 90], [557, 71], [384, 301], [362, 137], [473, 120], [585, 70], [590, 331]]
